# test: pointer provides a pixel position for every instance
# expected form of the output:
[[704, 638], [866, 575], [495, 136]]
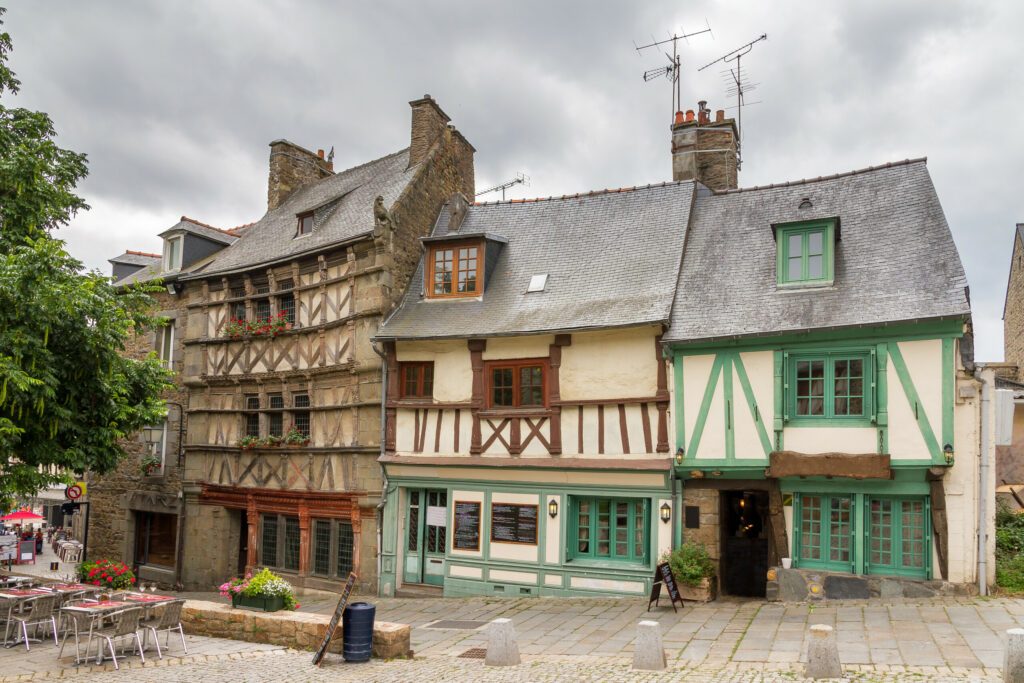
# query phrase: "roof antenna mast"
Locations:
[[519, 179], [738, 85], [671, 72]]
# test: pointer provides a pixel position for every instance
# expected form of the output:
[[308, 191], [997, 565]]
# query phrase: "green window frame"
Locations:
[[834, 388], [805, 253], [898, 538], [823, 531], [609, 529]]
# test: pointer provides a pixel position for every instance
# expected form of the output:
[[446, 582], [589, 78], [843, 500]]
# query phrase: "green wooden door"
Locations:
[[426, 536]]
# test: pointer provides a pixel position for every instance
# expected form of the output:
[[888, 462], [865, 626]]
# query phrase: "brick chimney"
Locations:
[[292, 167], [428, 124], [704, 150]]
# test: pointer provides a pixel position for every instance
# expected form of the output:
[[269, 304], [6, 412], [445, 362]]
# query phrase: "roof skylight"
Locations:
[[537, 283]]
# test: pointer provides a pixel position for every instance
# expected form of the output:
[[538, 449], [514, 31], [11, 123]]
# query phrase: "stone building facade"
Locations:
[[1013, 307]]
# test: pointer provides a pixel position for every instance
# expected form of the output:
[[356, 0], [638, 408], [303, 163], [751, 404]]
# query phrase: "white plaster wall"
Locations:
[[507, 348], [486, 431], [405, 424], [696, 370], [465, 572], [553, 531], [831, 440], [462, 496], [924, 363], [606, 584], [712, 440], [515, 551], [616, 364], [760, 367], [514, 577], [453, 373], [961, 484]]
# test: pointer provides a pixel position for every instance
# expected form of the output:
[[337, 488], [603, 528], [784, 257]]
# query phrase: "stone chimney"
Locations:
[[428, 124], [292, 167], [705, 150]]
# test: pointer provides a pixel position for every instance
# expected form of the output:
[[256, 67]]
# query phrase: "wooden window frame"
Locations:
[[421, 392], [456, 247], [829, 419], [825, 533], [515, 365], [897, 567], [298, 224], [573, 553], [804, 229]]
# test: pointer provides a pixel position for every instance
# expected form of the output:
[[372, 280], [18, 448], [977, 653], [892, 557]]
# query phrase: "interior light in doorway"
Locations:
[[553, 508], [680, 454], [947, 450], [666, 512]]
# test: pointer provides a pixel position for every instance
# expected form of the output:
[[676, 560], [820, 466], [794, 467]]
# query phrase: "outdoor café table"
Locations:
[[70, 589], [98, 610], [10, 600], [12, 580]]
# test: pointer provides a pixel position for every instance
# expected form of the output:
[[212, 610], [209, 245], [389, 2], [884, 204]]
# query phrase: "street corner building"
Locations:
[[270, 337]]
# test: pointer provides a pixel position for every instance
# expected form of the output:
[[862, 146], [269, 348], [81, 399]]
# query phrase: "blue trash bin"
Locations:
[[357, 636]]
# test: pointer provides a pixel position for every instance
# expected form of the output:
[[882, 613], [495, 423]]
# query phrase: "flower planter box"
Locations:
[[261, 604], [705, 592]]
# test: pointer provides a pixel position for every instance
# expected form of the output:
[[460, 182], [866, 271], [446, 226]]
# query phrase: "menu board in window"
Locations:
[[512, 523], [467, 526]]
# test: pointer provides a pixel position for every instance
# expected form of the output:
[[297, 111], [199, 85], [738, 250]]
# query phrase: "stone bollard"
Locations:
[[823, 654], [501, 644], [649, 653], [1013, 660]]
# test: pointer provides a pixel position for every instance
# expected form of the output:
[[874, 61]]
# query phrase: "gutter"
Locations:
[[383, 470], [986, 438]]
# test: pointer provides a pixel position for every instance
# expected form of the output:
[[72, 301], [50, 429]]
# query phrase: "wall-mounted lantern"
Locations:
[[947, 451], [666, 512], [680, 454], [553, 508]]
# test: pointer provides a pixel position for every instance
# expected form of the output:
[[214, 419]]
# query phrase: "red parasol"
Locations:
[[21, 516]]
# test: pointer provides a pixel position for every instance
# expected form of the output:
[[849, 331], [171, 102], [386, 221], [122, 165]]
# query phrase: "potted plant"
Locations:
[[295, 438], [151, 465], [262, 591], [272, 326], [271, 441], [106, 574], [249, 442], [693, 570]]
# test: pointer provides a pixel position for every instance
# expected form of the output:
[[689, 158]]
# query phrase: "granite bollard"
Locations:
[[823, 654], [502, 649], [1013, 659], [649, 653]]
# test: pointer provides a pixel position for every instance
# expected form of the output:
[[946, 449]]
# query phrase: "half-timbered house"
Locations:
[[527, 450]]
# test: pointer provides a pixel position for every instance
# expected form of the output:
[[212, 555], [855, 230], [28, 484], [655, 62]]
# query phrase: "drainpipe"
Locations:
[[178, 560], [383, 472], [986, 438]]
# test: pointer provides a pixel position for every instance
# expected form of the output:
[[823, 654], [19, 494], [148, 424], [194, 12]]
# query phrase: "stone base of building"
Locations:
[[297, 630], [802, 585]]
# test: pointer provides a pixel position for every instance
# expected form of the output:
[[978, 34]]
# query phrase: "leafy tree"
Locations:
[[68, 392]]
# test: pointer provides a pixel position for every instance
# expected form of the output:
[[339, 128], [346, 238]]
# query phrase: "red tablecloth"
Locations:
[[147, 598], [22, 592]]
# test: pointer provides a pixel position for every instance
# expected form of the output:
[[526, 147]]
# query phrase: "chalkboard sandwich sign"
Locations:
[[663, 576], [333, 626]]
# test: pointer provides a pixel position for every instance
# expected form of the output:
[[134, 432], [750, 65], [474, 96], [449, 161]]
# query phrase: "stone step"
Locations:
[[419, 590]]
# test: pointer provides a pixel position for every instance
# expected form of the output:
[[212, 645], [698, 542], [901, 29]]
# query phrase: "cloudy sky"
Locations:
[[175, 102]]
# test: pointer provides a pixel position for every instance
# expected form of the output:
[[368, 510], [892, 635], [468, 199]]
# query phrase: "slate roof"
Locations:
[[611, 259], [190, 225], [895, 259], [343, 210], [135, 258]]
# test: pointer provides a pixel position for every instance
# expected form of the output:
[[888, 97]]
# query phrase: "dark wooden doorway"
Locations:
[[243, 541], [745, 533]]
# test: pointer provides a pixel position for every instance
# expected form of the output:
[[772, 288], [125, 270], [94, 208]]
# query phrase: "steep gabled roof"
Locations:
[[192, 226], [343, 210], [135, 258], [895, 259], [611, 259]]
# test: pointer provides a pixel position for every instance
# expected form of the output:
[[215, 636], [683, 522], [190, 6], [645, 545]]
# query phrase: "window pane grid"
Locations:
[[830, 386], [321, 547], [286, 304], [804, 254], [443, 271], [269, 541], [291, 543], [346, 543], [613, 529]]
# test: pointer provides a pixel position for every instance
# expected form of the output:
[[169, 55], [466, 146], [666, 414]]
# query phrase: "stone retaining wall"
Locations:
[[800, 585], [297, 630]]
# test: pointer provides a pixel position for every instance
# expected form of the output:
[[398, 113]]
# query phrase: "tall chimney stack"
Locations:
[[428, 124], [292, 167], [705, 150]]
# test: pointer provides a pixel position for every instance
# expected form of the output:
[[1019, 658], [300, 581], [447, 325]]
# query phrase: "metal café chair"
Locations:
[[169, 620], [36, 611], [126, 625], [79, 624]]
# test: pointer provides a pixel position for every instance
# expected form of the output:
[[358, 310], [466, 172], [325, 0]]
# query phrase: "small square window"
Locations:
[[516, 384], [172, 253], [806, 253], [305, 226], [455, 270], [417, 380]]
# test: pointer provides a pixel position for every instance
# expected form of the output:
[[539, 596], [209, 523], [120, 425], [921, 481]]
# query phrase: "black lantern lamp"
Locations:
[[680, 454], [947, 451], [553, 508], [666, 512]]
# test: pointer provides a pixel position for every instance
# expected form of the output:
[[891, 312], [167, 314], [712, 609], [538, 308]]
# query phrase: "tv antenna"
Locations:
[[738, 86], [671, 71], [519, 179]]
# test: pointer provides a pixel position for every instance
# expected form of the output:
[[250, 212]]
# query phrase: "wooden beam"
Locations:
[[845, 465], [777, 520], [940, 524]]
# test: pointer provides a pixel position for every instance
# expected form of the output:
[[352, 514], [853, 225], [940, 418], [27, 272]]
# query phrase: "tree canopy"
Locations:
[[68, 391]]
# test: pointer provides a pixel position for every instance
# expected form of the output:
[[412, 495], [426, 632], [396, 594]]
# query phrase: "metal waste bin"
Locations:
[[357, 636]]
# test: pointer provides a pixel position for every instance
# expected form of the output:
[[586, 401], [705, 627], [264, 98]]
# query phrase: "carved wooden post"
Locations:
[[253, 519], [554, 391], [304, 538], [476, 360], [662, 397], [391, 417]]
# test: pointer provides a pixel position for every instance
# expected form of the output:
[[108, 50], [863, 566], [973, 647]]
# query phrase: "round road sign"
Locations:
[[73, 492]]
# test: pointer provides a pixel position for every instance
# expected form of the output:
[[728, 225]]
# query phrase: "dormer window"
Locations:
[[305, 226], [455, 270], [806, 253], [172, 253]]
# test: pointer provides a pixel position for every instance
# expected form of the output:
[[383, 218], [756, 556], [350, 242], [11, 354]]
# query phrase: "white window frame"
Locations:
[[169, 262], [162, 335]]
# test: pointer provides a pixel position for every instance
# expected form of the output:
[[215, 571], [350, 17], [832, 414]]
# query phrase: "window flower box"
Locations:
[[261, 603], [702, 592]]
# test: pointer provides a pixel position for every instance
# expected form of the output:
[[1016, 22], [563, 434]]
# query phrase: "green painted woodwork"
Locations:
[[613, 530], [727, 469], [677, 376], [779, 396], [897, 536], [730, 436], [805, 245], [389, 539], [821, 365], [705, 406], [905, 482], [948, 390], [755, 413], [882, 396], [823, 531], [931, 443]]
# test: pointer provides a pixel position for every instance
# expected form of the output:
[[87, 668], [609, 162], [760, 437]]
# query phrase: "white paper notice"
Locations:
[[437, 516]]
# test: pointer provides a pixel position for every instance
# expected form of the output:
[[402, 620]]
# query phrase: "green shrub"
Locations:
[[1010, 573], [266, 584], [690, 563], [1009, 548]]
